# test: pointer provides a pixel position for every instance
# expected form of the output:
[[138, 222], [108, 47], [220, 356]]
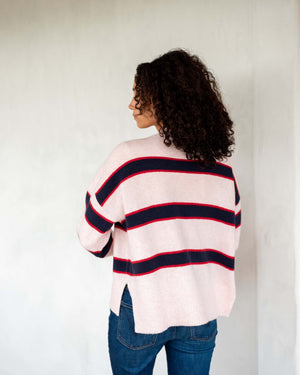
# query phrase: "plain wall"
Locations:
[[66, 75], [297, 183], [275, 52]]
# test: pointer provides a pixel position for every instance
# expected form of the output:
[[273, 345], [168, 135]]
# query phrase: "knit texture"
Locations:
[[172, 229]]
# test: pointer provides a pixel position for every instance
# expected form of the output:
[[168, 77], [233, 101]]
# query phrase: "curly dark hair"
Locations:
[[188, 106]]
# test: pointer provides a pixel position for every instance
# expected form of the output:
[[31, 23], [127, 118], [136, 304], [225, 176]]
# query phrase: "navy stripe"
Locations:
[[237, 195], [238, 219], [170, 260], [120, 225], [157, 164], [169, 211], [105, 250], [95, 220], [87, 198]]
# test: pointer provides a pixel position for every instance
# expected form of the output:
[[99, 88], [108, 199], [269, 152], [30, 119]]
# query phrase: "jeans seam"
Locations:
[[126, 305], [136, 347], [204, 338]]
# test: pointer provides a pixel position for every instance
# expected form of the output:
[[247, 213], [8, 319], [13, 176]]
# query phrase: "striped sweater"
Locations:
[[176, 230]]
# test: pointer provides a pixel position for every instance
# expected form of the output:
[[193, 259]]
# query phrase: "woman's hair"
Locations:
[[187, 104]]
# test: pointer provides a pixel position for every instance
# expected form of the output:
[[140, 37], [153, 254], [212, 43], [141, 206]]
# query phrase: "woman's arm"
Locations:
[[103, 206]]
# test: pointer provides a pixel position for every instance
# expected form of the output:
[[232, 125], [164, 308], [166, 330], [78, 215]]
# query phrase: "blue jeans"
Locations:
[[189, 349]]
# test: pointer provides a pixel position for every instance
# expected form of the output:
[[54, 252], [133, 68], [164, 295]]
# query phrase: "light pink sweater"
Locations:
[[176, 230]]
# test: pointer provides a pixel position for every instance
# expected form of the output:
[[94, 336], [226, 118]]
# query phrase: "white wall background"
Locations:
[[275, 53], [296, 147], [66, 74]]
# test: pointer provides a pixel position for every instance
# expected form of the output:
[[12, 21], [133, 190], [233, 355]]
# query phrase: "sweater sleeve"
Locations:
[[103, 206], [238, 214]]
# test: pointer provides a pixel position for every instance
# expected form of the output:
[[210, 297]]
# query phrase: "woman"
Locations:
[[175, 205]]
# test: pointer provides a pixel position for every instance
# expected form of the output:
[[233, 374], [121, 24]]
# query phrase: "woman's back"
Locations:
[[176, 231]]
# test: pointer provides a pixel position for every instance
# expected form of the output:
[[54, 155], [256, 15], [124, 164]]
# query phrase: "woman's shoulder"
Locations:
[[140, 146], [140, 142], [127, 150]]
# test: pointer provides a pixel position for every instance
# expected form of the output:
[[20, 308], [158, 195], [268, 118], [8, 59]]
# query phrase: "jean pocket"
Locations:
[[204, 332], [126, 334]]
